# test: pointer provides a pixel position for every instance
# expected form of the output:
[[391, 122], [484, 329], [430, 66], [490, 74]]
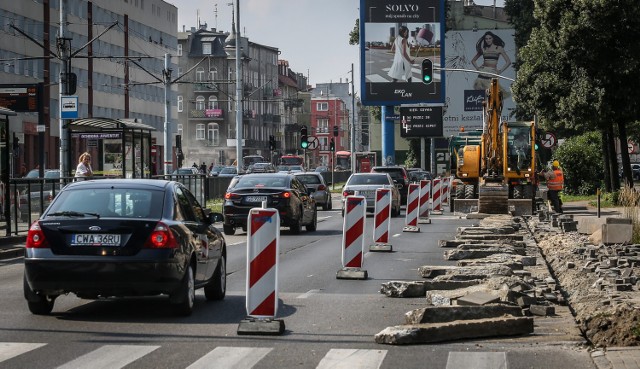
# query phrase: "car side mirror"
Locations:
[[215, 218]]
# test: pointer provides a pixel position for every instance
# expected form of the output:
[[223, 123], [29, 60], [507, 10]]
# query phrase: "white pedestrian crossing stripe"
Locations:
[[110, 357], [231, 358], [352, 359], [477, 360], [10, 350]]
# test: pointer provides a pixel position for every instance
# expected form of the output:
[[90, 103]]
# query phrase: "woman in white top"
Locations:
[[84, 166], [402, 62]]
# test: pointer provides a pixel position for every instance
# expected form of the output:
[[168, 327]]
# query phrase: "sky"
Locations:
[[313, 35]]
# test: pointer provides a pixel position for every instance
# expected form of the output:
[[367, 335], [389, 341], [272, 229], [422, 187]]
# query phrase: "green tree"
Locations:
[[580, 158], [562, 77], [354, 35]]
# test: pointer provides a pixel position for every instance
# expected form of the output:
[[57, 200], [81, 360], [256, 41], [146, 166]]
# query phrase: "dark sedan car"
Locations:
[[281, 191], [124, 237]]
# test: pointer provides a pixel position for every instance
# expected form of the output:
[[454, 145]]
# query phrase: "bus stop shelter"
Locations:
[[120, 147]]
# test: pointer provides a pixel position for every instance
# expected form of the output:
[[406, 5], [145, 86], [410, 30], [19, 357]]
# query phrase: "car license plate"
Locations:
[[368, 193], [95, 239], [256, 198]]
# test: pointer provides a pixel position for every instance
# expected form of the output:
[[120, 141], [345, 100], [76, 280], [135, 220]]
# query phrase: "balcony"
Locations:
[[206, 87], [208, 114]]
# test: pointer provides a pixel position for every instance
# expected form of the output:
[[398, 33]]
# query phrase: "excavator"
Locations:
[[496, 170]]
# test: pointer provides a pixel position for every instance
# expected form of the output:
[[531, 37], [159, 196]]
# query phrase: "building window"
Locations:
[[180, 71], [200, 103], [324, 142], [213, 102], [213, 134], [322, 106], [323, 126], [213, 74], [180, 103], [180, 129], [199, 74], [199, 131], [179, 49], [206, 48]]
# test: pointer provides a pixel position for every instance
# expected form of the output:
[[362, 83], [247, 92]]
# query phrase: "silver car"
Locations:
[[315, 183], [366, 184]]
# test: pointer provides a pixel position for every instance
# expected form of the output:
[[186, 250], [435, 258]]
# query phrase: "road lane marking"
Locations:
[[352, 359], [307, 294], [110, 357], [477, 360], [231, 358], [10, 350], [396, 235]]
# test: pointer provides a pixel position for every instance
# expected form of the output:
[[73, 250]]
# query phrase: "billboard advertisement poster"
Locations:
[[395, 37], [491, 51]]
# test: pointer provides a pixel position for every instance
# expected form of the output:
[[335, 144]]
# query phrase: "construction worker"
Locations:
[[555, 184]]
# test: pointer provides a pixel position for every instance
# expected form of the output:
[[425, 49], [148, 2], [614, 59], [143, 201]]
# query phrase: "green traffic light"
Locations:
[[304, 144], [427, 79]]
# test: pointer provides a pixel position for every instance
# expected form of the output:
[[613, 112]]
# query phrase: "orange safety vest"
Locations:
[[556, 183]]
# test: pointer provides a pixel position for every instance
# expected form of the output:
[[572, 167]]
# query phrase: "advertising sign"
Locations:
[[421, 121], [395, 37], [491, 51]]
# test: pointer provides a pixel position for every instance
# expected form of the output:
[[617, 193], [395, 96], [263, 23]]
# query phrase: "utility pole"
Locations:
[[239, 102], [64, 46], [168, 148], [353, 124]]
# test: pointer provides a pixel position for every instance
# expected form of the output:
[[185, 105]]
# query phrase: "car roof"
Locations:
[[120, 182]]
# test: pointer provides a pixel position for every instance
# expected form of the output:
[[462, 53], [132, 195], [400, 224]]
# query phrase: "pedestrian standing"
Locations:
[[84, 166], [555, 184]]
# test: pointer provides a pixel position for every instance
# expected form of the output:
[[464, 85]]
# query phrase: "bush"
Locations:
[[581, 161]]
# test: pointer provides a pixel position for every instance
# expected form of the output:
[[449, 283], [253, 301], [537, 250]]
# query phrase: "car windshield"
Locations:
[[295, 167], [395, 174], [261, 181], [309, 179], [228, 170], [33, 173], [109, 202], [368, 180], [283, 168]]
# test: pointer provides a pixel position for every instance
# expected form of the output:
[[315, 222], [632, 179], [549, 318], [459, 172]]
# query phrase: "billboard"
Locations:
[[395, 37], [491, 51]]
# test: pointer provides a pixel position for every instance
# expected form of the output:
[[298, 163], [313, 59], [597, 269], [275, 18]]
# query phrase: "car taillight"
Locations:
[[321, 188], [161, 238], [285, 194], [231, 196], [347, 193], [35, 237]]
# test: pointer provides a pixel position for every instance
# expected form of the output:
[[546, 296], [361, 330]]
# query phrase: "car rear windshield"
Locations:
[[309, 179], [109, 202], [261, 181], [394, 173], [369, 180]]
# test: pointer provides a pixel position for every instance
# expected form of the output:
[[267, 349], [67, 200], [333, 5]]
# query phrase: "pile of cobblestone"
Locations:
[[600, 283]]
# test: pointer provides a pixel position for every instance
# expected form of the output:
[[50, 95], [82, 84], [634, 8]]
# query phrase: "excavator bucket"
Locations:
[[493, 198]]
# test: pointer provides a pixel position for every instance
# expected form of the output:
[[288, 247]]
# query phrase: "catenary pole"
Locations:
[[64, 80], [168, 149]]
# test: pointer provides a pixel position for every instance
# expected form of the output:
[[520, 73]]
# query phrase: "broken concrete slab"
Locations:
[[442, 314], [462, 252], [403, 289], [542, 310], [463, 273], [466, 329], [478, 298]]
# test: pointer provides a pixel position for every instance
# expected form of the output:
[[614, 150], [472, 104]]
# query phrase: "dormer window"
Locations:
[[206, 48]]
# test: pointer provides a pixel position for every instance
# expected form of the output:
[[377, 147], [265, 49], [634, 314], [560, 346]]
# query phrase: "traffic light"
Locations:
[[427, 71], [272, 143], [304, 138], [332, 145], [70, 81], [335, 131]]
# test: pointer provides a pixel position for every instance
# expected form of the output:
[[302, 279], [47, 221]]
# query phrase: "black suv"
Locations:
[[399, 176]]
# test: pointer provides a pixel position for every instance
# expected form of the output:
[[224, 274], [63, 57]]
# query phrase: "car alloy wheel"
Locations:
[[216, 289], [186, 294]]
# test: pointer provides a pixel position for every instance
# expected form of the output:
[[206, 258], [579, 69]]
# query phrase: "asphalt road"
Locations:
[[330, 323]]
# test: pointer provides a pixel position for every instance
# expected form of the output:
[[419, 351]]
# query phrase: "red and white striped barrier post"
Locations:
[[411, 219], [436, 196], [263, 239], [355, 208], [382, 221], [444, 190], [423, 203]]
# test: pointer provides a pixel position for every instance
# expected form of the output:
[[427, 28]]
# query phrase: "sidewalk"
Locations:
[[11, 246]]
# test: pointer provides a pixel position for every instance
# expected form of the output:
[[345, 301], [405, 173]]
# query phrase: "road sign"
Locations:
[[549, 140], [69, 107], [313, 143]]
